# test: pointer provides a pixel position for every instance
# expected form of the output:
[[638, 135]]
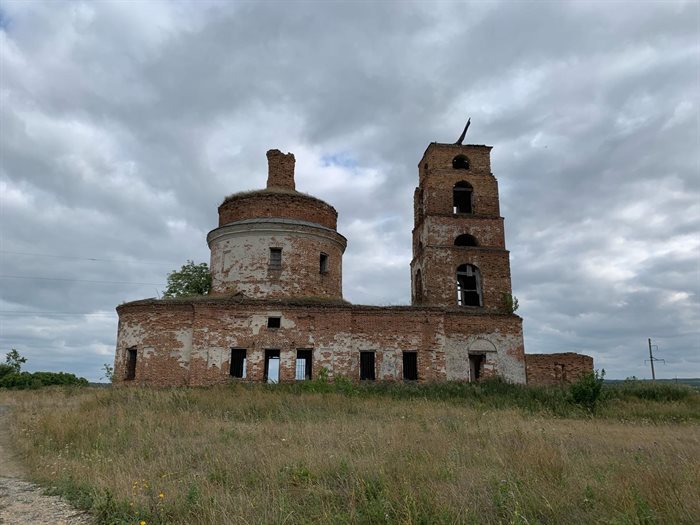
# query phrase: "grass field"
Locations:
[[384, 454]]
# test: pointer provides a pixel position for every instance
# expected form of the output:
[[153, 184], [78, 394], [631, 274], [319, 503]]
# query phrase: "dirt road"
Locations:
[[22, 502]]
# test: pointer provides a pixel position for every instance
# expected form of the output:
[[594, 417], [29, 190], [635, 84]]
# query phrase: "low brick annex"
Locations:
[[276, 311]]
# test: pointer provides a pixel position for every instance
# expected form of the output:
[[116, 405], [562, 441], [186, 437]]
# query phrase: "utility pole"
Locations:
[[652, 359]]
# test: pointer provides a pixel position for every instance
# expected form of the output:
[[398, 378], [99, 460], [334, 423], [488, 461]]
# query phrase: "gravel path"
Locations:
[[22, 502]]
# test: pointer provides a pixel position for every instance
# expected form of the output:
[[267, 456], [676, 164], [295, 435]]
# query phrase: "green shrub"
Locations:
[[5, 369], [587, 390]]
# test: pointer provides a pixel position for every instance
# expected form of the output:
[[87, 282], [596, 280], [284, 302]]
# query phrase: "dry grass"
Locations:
[[256, 455]]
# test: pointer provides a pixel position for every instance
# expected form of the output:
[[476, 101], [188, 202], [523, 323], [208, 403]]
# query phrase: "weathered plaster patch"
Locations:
[[184, 354]]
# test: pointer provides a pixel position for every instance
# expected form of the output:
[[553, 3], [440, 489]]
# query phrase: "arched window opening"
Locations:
[[418, 285], [466, 240], [460, 162], [468, 285], [462, 197]]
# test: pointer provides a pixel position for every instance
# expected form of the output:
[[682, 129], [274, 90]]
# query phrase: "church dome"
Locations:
[[277, 242]]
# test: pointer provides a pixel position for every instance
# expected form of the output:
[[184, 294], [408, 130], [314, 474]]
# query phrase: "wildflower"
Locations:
[[161, 495], [142, 522]]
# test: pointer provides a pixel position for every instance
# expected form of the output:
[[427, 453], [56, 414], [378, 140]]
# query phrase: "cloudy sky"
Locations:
[[124, 124]]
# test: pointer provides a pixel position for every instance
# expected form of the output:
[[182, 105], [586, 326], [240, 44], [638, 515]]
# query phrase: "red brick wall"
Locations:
[[439, 270], [438, 188], [240, 261], [437, 227], [443, 230], [161, 335], [439, 157], [336, 333], [554, 369], [280, 204]]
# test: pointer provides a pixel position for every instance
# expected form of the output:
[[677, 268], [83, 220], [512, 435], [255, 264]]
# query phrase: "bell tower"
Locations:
[[459, 254]]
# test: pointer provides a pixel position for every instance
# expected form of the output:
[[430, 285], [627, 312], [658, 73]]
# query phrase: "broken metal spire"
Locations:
[[461, 137]]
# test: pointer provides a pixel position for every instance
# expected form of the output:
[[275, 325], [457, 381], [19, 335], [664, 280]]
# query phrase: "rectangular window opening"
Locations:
[[238, 363], [303, 368], [274, 322], [130, 363], [323, 263], [276, 258], [410, 366], [366, 366], [272, 366]]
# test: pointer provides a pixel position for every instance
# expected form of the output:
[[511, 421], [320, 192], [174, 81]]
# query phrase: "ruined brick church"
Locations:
[[276, 311]]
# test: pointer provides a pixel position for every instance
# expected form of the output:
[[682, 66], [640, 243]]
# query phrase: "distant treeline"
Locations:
[[24, 380], [11, 375], [690, 381]]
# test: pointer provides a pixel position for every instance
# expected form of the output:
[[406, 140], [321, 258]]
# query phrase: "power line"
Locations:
[[25, 312], [94, 259], [74, 280]]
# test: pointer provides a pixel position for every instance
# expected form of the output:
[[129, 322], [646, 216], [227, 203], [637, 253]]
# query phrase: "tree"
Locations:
[[108, 372], [192, 279], [14, 360]]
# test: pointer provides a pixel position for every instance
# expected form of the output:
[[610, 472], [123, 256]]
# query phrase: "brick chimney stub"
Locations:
[[280, 169]]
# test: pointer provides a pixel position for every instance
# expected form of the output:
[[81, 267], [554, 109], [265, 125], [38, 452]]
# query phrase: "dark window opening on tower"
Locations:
[[462, 197], [460, 162], [468, 285], [272, 366], [418, 292], [476, 366], [276, 258], [303, 366], [274, 322], [323, 263], [410, 366], [466, 240], [130, 363], [238, 363], [366, 366]]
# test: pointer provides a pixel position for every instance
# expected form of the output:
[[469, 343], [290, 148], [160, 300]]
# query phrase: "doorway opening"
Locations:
[[272, 366], [476, 366]]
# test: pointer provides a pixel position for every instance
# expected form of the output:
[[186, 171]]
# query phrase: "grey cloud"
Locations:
[[125, 125]]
